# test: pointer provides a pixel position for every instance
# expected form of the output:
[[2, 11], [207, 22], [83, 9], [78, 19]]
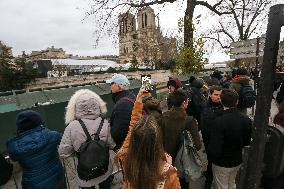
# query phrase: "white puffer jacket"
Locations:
[[88, 106]]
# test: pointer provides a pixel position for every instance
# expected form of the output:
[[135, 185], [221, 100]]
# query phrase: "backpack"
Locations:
[[6, 170], [93, 155], [187, 161], [196, 104], [274, 153], [247, 97]]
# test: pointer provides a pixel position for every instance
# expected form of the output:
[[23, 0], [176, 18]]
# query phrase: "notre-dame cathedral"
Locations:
[[140, 37]]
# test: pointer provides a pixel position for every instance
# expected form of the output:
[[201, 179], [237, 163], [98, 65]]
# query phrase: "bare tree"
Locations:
[[105, 13], [246, 18]]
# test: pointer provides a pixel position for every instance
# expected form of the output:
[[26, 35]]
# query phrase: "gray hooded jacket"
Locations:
[[88, 106]]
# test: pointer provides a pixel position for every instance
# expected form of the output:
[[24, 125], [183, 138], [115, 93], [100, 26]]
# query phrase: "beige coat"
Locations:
[[88, 106]]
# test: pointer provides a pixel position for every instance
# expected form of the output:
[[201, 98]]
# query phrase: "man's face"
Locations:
[[215, 96], [171, 89], [114, 88]]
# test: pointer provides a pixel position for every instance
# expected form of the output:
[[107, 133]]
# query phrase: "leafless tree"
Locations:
[[105, 13], [246, 19]]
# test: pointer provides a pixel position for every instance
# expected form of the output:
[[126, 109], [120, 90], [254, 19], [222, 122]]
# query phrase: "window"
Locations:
[[126, 27], [135, 36], [142, 20], [145, 20]]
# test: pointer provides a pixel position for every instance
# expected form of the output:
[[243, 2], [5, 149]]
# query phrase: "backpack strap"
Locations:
[[97, 134], [89, 138], [124, 98], [128, 99]]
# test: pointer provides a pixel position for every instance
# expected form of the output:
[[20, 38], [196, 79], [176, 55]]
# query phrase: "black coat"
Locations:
[[229, 134], [120, 116], [196, 103], [210, 112]]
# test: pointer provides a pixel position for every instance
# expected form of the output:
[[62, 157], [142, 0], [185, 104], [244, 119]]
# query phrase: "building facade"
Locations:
[[49, 53], [140, 38]]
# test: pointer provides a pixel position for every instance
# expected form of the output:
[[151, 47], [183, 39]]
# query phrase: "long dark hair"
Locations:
[[279, 118], [145, 155]]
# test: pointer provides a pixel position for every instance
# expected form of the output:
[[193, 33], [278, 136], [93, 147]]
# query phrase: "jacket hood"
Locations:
[[197, 83], [29, 142], [84, 104], [28, 119], [242, 79]]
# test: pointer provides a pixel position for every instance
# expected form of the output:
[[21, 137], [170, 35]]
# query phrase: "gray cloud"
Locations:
[[36, 24]]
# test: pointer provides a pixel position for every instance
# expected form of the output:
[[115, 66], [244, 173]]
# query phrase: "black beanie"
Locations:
[[27, 120]]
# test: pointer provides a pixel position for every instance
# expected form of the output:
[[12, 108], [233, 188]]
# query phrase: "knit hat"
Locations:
[[175, 83], [27, 120], [198, 83]]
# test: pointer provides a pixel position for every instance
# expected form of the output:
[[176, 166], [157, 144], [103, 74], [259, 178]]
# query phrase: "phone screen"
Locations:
[[146, 82]]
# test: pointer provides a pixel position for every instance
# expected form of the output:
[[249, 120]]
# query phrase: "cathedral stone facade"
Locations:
[[140, 38]]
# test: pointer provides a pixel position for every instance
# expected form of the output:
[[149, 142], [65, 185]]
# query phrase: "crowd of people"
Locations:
[[146, 140]]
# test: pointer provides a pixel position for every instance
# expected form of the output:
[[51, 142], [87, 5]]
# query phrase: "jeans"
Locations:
[[224, 178]]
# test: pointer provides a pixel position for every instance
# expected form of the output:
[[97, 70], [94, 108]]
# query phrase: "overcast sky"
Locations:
[[28, 25]]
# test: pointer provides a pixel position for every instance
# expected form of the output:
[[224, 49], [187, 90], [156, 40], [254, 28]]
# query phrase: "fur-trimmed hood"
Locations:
[[84, 104]]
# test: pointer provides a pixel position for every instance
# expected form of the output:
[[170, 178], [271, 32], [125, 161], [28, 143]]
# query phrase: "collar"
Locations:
[[119, 95], [214, 104]]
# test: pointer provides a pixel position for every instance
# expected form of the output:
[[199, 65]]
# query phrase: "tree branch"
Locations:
[[154, 2], [262, 4], [212, 8], [218, 40], [240, 28], [223, 30]]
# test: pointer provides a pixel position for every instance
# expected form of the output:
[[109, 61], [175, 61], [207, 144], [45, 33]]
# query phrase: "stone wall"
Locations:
[[158, 76]]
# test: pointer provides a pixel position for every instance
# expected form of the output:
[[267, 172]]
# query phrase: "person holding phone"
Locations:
[[142, 157]]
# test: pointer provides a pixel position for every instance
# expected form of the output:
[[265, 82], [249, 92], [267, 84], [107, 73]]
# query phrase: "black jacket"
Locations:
[[210, 112], [120, 116], [229, 134], [196, 103]]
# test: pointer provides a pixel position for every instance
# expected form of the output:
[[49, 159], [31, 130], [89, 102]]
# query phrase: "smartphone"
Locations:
[[146, 82]]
